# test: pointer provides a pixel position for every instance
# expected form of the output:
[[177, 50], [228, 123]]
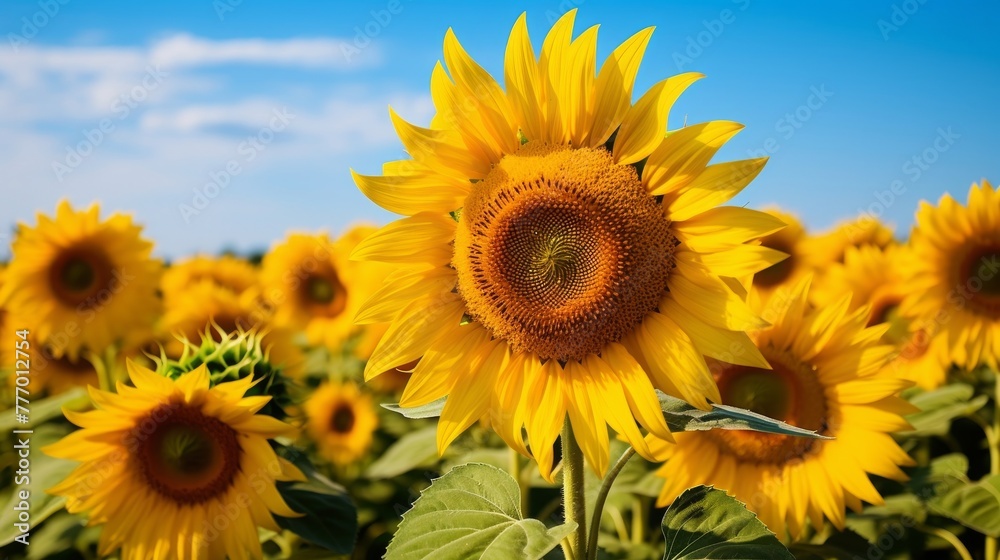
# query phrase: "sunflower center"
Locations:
[[778, 272], [789, 392], [324, 294], [184, 455], [915, 345], [561, 251], [342, 419], [78, 275]]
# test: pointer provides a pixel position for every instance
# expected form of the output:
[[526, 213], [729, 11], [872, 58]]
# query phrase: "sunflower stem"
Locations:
[[602, 497], [992, 437], [574, 501], [948, 537]]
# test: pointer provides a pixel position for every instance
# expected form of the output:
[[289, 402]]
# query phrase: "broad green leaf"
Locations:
[[45, 472], [43, 410], [682, 417], [940, 477], [975, 505], [898, 506], [429, 410], [473, 511], [940, 407], [415, 449], [704, 522], [329, 518]]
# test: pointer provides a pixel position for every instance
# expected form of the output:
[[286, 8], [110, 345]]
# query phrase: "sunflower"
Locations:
[[226, 272], [955, 274], [163, 460], [341, 420], [207, 308], [876, 278], [312, 285], [830, 247], [561, 255], [85, 283], [790, 240], [824, 377]]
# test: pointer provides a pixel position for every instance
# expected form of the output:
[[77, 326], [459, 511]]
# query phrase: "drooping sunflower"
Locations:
[[85, 283], [226, 272], [161, 462], [341, 420], [955, 274], [790, 240], [824, 377], [877, 278], [313, 286], [830, 247], [562, 253]]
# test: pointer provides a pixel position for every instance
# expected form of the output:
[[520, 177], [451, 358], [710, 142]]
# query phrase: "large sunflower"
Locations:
[[791, 240], [877, 278], [164, 461], [85, 283], [312, 285], [341, 420], [825, 377], [955, 274], [561, 254]]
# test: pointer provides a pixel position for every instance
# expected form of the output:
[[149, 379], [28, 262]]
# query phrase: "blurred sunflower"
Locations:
[[313, 286], [561, 254], [876, 278], [208, 308], [341, 420], [227, 272], [830, 247], [167, 457], [85, 283], [824, 378], [790, 240], [955, 274]]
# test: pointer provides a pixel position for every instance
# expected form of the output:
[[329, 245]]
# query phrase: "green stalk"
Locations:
[[602, 497], [574, 501], [992, 437]]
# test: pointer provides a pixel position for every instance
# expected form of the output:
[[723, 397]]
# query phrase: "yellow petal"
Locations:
[[509, 412], [613, 89], [423, 238], [684, 154], [412, 194], [670, 353], [413, 332], [588, 420], [470, 398], [193, 381], [645, 123], [552, 68], [446, 360], [714, 186], [440, 149], [546, 410], [522, 80], [718, 229], [146, 380], [400, 291], [733, 347], [639, 390], [711, 299]]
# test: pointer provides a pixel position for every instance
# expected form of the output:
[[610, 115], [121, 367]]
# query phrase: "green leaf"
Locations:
[[474, 511], [682, 417], [329, 518], [45, 472], [975, 505], [940, 407], [939, 477], [707, 523], [415, 449], [429, 410], [43, 410]]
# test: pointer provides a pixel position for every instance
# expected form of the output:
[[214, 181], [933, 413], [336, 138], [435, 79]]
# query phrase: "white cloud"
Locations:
[[185, 50]]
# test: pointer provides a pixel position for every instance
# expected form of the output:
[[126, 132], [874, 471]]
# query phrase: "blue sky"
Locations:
[[149, 109]]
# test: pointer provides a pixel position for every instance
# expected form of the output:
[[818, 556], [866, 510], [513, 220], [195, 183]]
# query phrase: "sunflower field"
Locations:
[[568, 345]]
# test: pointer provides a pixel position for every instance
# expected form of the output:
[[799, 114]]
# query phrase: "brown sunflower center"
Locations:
[[914, 345], [184, 455], [324, 294], [779, 272], [789, 392], [342, 420], [79, 274], [561, 251]]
